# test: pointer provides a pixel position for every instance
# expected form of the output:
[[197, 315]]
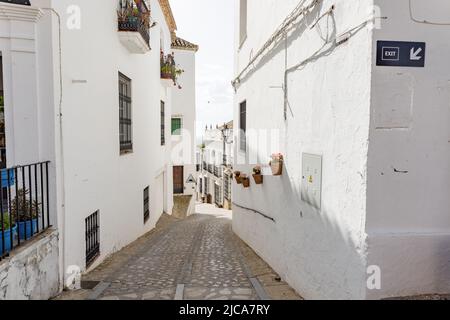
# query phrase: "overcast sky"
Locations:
[[210, 24]]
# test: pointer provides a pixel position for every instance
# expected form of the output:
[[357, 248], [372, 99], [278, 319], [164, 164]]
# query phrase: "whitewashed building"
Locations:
[[361, 210], [216, 170], [83, 90], [183, 119]]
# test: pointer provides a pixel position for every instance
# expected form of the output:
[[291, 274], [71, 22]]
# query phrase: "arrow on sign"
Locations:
[[414, 56]]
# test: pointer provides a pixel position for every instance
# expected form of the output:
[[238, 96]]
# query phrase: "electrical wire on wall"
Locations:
[[424, 21], [285, 27], [61, 138]]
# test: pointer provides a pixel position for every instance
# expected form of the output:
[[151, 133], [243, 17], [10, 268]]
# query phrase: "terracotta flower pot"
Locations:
[[246, 182], [259, 178], [238, 177], [165, 75], [277, 167]]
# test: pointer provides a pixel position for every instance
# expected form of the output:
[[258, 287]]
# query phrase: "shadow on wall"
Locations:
[[309, 248], [293, 33]]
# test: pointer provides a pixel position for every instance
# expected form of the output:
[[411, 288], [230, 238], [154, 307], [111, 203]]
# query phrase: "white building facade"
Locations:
[[83, 90], [215, 185], [361, 208], [183, 119]]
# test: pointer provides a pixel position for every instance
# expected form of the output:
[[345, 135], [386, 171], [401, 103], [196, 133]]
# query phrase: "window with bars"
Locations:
[[218, 195], [176, 126], [125, 119], [146, 204], [163, 124], [201, 186], [243, 126], [92, 227], [227, 186]]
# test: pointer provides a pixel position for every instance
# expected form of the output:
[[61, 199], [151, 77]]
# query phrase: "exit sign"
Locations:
[[401, 54]]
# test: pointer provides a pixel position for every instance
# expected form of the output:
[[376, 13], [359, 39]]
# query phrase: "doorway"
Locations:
[[178, 179]]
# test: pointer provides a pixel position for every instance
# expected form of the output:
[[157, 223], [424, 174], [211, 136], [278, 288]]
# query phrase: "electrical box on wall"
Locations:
[[312, 180]]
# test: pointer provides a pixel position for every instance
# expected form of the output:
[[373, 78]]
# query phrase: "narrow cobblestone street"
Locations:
[[198, 257]]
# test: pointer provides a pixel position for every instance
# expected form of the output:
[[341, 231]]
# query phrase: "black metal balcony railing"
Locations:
[[135, 18], [211, 168], [205, 166], [24, 205]]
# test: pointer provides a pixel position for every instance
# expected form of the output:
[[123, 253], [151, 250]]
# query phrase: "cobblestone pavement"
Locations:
[[194, 258], [198, 252]]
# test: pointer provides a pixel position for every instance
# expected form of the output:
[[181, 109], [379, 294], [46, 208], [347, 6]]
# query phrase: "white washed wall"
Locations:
[[383, 133], [321, 253], [408, 221], [96, 177], [184, 106]]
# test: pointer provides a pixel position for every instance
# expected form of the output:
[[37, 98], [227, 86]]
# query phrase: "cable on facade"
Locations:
[[255, 211], [424, 21], [279, 33]]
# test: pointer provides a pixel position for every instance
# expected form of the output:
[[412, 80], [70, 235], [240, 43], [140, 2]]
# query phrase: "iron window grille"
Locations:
[[163, 125], [227, 186], [218, 195], [24, 205], [92, 227], [125, 116], [206, 185], [146, 204], [243, 126]]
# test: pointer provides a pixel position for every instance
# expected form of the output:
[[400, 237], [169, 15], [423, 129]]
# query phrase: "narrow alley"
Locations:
[[193, 258]]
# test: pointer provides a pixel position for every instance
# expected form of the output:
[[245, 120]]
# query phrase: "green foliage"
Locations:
[[21, 207], [6, 221]]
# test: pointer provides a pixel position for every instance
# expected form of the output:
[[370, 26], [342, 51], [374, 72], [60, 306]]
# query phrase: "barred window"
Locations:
[[227, 186], [125, 116], [243, 126], [163, 124], [146, 204]]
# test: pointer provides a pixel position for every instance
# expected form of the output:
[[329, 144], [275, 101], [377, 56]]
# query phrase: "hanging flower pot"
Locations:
[[276, 164], [245, 181], [238, 177], [257, 175]]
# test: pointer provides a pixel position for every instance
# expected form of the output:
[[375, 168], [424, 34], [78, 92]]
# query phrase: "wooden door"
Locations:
[[178, 179]]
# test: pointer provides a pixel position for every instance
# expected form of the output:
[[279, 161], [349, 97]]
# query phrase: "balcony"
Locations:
[[24, 205], [169, 69], [133, 19]]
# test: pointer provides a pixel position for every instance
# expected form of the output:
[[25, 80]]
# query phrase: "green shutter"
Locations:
[[176, 126]]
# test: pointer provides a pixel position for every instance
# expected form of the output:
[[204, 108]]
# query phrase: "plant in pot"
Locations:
[[26, 213], [238, 177], [245, 181], [7, 232], [276, 164], [257, 175]]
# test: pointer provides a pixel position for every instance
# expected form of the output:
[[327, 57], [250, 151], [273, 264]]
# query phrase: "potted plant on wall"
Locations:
[[238, 177], [9, 228], [276, 164], [26, 214], [245, 181], [257, 175]]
